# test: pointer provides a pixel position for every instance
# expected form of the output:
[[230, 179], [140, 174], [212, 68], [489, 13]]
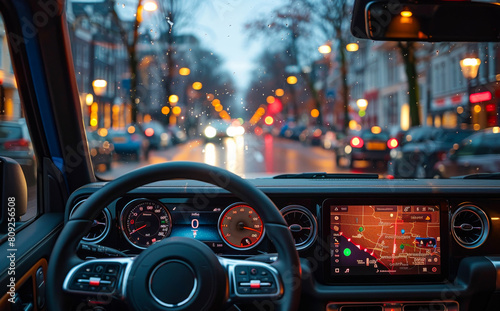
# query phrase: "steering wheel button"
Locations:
[[253, 271], [94, 281], [99, 269], [88, 268], [112, 269]]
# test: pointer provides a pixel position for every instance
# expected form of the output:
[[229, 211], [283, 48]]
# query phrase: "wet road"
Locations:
[[248, 156]]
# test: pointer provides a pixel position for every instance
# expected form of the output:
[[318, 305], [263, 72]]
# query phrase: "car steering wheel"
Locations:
[[175, 273]]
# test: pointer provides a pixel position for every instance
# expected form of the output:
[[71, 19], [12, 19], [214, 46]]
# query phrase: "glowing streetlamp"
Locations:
[[99, 86], [150, 6], [184, 71], [470, 67], [325, 49], [173, 99], [197, 86], [362, 104], [291, 80], [352, 47]]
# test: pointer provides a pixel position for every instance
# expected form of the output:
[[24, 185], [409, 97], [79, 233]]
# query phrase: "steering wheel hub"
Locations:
[[180, 273], [173, 283]]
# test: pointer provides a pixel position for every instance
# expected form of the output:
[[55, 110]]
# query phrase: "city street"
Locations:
[[249, 156]]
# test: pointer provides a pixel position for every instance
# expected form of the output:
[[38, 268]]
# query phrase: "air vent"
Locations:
[[100, 226], [302, 225], [470, 226]]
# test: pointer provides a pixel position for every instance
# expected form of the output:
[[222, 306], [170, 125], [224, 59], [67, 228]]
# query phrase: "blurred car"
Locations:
[[478, 153], [416, 158], [158, 137], [216, 130], [101, 151], [312, 135], [15, 143], [177, 135], [129, 143], [332, 139], [367, 145], [292, 130]]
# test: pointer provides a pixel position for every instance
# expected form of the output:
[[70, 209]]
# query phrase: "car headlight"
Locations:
[[210, 132]]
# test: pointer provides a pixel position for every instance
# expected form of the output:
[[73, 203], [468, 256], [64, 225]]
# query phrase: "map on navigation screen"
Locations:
[[385, 239]]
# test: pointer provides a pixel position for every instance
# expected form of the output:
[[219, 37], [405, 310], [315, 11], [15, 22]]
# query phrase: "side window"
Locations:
[[15, 140]]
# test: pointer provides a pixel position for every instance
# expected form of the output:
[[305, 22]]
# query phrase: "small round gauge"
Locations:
[[100, 226], [302, 225], [240, 226], [145, 222]]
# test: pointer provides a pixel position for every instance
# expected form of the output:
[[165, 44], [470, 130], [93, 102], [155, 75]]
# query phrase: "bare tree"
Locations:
[[288, 30], [331, 18], [178, 13]]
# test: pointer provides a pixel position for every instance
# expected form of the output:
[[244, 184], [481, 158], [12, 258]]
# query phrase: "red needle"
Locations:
[[251, 229], [133, 231]]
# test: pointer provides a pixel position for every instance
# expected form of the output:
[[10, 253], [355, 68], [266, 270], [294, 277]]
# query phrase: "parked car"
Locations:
[[158, 137], [416, 158], [368, 145], [129, 143], [478, 153], [15, 143], [101, 151], [177, 134]]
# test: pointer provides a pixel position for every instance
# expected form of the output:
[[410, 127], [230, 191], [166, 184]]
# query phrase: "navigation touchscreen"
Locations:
[[385, 240]]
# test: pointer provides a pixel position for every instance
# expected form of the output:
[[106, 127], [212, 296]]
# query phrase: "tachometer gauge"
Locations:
[[240, 226], [145, 222]]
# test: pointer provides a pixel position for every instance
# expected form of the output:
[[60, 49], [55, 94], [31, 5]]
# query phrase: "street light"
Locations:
[[470, 67], [173, 99], [99, 86], [291, 80], [325, 49], [362, 104], [197, 86], [150, 6], [184, 71], [352, 47]]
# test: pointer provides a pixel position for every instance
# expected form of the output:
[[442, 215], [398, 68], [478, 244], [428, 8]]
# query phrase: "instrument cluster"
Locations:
[[226, 227]]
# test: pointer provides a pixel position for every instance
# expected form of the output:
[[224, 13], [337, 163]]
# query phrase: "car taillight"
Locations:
[[149, 132], [441, 156], [392, 143], [18, 144], [357, 142]]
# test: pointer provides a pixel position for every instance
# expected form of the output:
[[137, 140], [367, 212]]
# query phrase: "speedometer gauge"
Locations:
[[145, 222], [240, 226]]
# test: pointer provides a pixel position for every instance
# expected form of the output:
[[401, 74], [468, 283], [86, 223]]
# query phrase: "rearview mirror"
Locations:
[[14, 194], [432, 21]]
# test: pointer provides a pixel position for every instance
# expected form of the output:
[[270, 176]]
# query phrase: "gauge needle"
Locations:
[[251, 229], [133, 231]]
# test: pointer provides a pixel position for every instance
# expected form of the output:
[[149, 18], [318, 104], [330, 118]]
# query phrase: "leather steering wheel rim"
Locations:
[[63, 256]]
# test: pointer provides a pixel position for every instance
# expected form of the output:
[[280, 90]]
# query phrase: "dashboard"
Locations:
[[363, 244]]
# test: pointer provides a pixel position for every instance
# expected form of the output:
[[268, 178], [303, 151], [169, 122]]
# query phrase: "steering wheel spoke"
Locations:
[[252, 280], [99, 278]]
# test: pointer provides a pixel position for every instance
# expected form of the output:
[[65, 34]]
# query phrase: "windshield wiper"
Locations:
[[481, 176], [324, 175]]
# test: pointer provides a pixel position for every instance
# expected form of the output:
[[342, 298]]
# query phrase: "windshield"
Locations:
[[263, 88]]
